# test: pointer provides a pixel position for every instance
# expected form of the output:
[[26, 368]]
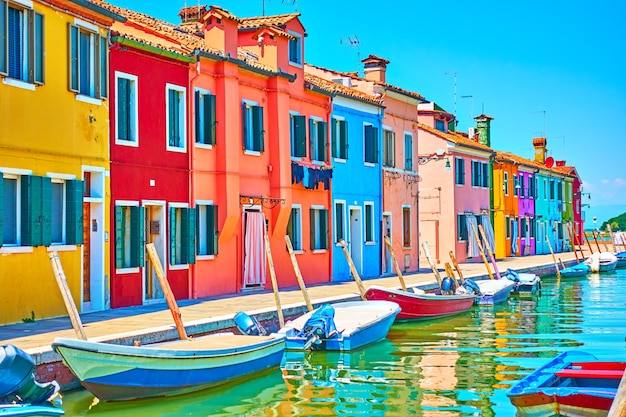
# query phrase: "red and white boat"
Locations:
[[417, 304], [573, 384]]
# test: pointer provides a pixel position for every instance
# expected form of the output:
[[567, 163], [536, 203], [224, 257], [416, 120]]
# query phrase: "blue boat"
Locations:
[[493, 291], [579, 270], [342, 326], [28, 410], [621, 259], [116, 372]]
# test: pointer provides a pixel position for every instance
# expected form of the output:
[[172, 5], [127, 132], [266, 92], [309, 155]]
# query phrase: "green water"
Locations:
[[460, 366]]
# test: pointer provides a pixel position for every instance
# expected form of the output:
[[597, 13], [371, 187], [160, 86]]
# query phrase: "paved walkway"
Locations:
[[202, 315]]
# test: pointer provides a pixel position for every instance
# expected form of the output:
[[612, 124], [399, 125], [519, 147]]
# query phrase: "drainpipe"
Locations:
[[331, 246], [191, 141]]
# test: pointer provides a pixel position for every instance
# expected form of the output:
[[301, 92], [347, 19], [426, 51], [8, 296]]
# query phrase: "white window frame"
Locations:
[[315, 136], [127, 245], [413, 161], [203, 92], [385, 156], [183, 118], [249, 141], [505, 181], [298, 231], [134, 116], [202, 237], [342, 203], [372, 223], [318, 232], [178, 235], [94, 60], [337, 133], [300, 45], [366, 163], [15, 247]]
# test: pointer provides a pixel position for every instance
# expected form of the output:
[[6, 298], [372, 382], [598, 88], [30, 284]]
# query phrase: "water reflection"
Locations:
[[457, 366]]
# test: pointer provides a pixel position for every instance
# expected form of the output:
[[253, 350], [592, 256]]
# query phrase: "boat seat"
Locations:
[[590, 373]]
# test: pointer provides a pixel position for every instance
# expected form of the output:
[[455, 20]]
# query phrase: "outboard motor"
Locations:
[[448, 286], [17, 379], [249, 325], [471, 286], [319, 327], [512, 275]]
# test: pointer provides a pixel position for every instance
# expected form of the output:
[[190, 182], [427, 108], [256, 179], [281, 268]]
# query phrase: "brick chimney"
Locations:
[[540, 149], [483, 129], [375, 68], [192, 13]]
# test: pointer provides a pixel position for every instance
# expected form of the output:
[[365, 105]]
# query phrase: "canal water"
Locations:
[[459, 366]]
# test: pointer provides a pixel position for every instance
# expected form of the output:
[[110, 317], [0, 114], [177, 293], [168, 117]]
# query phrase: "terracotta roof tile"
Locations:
[[456, 138], [340, 89], [225, 13], [278, 21], [510, 157]]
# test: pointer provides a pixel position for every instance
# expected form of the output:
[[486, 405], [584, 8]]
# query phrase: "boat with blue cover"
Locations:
[[525, 283], [578, 270]]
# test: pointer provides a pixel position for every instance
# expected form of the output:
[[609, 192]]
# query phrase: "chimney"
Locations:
[[540, 149], [483, 129], [192, 14], [375, 68]]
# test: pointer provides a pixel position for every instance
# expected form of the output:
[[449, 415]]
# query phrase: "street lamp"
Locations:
[[439, 155]]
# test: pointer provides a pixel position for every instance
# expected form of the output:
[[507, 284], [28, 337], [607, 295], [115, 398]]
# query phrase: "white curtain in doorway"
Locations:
[[472, 244], [486, 223], [254, 249], [514, 234]]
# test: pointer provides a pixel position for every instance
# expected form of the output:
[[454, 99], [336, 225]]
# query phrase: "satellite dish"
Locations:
[[549, 162]]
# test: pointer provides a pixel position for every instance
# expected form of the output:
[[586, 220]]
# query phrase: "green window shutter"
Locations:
[[123, 108], [334, 138], [46, 211], [1, 199], [29, 213], [173, 117], [73, 58], [120, 223], [322, 133], [313, 213], [257, 129], [198, 125], [103, 68], [375, 144], [210, 119], [312, 140], [339, 221], [188, 237], [343, 139], [38, 50], [324, 229], [74, 217], [244, 126], [173, 235], [212, 233], [136, 236], [4, 39], [300, 131]]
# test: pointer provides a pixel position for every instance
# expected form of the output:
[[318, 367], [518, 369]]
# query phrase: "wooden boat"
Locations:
[[525, 283], [572, 384], [421, 305], [493, 291], [621, 259], [116, 372], [579, 270], [27, 410], [602, 262], [342, 326]]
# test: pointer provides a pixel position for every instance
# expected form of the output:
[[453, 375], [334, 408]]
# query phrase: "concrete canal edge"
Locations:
[[50, 367]]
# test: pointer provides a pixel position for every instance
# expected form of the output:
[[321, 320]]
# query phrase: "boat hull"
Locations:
[[422, 306], [115, 372], [528, 284], [26, 410], [494, 291], [572, 384], [360, 323], [621, 260], [579, 270]]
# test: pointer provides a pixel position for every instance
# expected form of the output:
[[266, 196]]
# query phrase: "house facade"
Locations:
[[54, 165]]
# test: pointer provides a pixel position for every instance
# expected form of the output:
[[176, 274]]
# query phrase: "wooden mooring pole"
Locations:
[[72, 311]]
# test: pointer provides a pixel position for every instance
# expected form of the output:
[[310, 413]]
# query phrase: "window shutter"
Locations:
[[343, 139], [339, 221], [199, 111], [38, 40], [4, 39], [215, 230], [369, 147], [173, 118], [375, 144], [123, 108], [300, 131], [102, 67], [485, 175], [322, 133], [244, 126], [1, 197], [137, 251], [257, 128], [188, 237], [210, 119], [120, 223], [334, 137], [73, 58], [323, 229], [312, 215], [173, 235], [46, 211], [312, 141], [31, 210], [74, 217]]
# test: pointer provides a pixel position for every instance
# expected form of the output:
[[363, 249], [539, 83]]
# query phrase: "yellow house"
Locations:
[[54, 155]]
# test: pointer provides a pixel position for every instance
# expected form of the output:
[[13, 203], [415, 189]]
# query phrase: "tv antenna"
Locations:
[[453, 73], [293, 3], [471, 106], [353, 42], [543, 134]]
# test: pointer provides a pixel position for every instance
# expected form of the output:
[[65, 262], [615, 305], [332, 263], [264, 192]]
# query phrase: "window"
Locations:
[[126, 108], [552, 190], [206, 229], [175, 120], [319, 228], [516, 185], [294, 228], [339, 138], [88, 61], [253, 128], [533, 226], [406, 227], [485, 174], [318, 140], [505, 182], [545, 189], [440, 125], [369, 223], [371, 144], [298, 135], [129, 239], [295, 49], [389, 148], [408, 151], [508, 226], [21, 43], [532, 187], [340, 220], [559, 191], [182, 236], [205, 119], [461, 227], [459, 171], [10, 211]]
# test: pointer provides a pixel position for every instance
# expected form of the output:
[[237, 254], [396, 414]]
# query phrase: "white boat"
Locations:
[[602, 262], [525, 283], [342, 326], [493, 291]]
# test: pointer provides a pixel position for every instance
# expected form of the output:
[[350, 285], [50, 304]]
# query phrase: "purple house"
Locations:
[[527, 190]]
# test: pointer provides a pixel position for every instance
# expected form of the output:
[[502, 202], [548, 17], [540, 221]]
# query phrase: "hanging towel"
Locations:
[[472, 244]]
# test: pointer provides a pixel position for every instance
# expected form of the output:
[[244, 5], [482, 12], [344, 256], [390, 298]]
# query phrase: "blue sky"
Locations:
[[552, 68]]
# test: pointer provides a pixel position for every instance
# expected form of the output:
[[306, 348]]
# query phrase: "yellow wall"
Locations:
[[48, 131]]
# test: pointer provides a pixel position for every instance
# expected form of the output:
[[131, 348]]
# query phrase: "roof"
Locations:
[[279, 21], [340, 89], [456, 138], [225, 13], [510, 157]]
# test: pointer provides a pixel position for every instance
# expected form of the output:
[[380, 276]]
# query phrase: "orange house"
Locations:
[[505, 205]]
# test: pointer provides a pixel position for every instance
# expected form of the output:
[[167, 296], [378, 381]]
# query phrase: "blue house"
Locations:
[[355, 141]]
